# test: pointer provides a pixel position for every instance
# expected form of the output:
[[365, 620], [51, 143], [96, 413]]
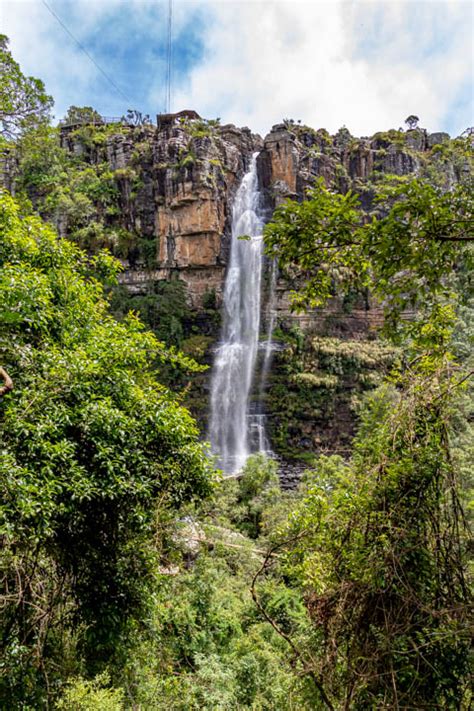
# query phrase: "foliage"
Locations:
[[391, 137], [23, 100], [412, 121], [82, 115], [378, 543], [404, 254], [208, 647], [200, 128], [343, 138], [196, 346], [379, 554], [42, 163], [66, 175], [136, 118], [209, 300], [315, 380], [259, 486], [163, 308], [83, 695], [91, 443], [89, 138]]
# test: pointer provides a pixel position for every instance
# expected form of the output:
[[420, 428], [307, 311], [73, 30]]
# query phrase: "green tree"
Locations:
[[406, 252], [23, 100], [380, 557], [412, 121], [93, 447], [42, 164], [379, 542], [163, 308], [82, 115]]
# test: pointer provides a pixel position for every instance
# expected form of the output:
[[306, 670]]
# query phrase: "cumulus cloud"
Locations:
[[363, 63]]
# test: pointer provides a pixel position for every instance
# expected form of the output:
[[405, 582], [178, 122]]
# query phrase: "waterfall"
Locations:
[[232, 435]]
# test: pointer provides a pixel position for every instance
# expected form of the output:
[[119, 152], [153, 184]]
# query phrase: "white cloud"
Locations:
[[44, 49], [39, 52], [364, 64]]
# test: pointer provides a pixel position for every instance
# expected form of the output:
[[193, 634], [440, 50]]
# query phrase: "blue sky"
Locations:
[[366, 64]]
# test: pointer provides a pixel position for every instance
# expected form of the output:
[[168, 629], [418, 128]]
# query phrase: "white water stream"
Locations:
[[234, 432]]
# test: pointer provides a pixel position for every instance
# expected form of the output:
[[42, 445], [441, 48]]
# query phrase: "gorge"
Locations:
[[236, 417]]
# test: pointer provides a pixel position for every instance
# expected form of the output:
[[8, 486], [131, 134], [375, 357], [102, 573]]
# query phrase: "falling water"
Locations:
[[235, 359]]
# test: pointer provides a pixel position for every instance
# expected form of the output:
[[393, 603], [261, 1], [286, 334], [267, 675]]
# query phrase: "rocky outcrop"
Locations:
[[176, 185], [294, 156]]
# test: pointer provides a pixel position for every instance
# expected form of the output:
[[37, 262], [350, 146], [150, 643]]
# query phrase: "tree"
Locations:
[[93, 448], [23, 100], [379, 542], [136, 118], [406, 254], [412, 121], [378, 553], [82, 115]]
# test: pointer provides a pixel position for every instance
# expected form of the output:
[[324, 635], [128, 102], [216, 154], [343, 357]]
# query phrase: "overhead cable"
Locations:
[[169, 62], [81, 47]]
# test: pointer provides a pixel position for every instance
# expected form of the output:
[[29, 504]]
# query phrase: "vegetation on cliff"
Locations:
[[379, 543]]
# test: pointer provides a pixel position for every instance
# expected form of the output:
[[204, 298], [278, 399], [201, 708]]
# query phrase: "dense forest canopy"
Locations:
[[133, 576]]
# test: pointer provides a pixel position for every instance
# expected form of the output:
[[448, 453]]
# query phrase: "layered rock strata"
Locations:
[[176, 186], [176, 183]]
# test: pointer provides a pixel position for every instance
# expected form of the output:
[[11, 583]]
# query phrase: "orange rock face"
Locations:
[[196, 177], [190, 230], [284, 160]]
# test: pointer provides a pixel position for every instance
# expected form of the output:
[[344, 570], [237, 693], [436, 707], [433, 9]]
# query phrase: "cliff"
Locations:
[[160, 198], [175, 184]]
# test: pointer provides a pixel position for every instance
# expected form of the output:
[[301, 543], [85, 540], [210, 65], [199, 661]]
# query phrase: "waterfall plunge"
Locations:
[[231, 430]]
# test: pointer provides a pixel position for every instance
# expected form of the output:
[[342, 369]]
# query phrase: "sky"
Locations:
[[365, 64]]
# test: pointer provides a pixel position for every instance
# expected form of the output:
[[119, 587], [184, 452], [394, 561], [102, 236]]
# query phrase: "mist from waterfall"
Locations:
[[236, 356]]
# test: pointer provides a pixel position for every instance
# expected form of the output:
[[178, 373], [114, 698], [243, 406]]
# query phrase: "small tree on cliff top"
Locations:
[[412, 121]]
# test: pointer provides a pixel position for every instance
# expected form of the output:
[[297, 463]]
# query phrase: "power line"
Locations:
[[81, 46], [169, 58]]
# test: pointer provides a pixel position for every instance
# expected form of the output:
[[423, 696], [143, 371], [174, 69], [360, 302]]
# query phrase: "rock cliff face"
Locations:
[[176, 183], [330, 356], [176, 186], [294, 156]]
